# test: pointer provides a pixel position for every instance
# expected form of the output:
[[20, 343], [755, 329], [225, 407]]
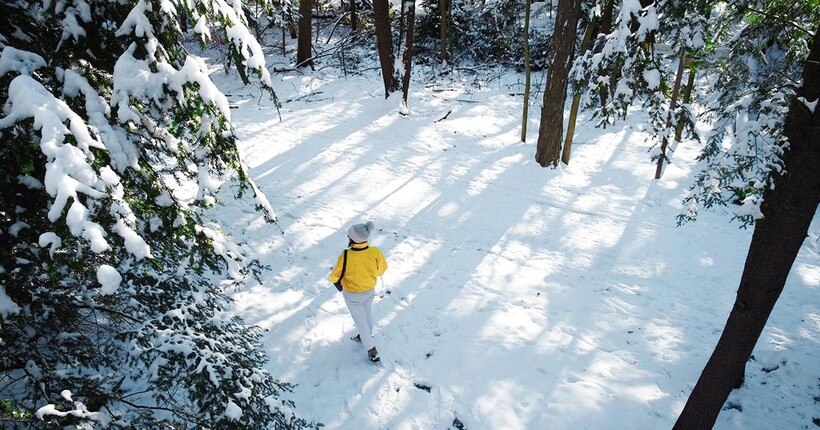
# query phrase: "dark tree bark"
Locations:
[[548, 149], [410, 17], [444, 27], [384, 44], [354, 16], [788, 209], [304, 45]]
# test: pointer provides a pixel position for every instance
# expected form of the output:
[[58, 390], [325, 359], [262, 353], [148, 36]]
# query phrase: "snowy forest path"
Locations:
[[515, 295], [455, 210]]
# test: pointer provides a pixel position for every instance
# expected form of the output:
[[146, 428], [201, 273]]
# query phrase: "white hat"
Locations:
[[359, 233]]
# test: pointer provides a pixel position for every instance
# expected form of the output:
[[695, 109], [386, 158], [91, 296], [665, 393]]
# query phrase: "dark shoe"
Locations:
[[358, 338], [374, 355]]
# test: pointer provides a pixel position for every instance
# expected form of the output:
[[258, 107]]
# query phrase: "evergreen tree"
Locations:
[[625, 66], [112, 277], [787, 210], [760, 158], [754, 75]]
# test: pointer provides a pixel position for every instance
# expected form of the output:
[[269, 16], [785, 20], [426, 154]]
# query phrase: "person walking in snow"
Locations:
[[355, 275]]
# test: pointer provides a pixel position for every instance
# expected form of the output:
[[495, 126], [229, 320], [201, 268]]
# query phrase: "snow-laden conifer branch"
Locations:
[[755, 76], [113, 286]]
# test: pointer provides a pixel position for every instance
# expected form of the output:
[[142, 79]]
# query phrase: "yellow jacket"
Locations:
[[364, 264]]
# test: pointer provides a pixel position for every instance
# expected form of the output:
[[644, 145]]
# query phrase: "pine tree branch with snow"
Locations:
[[755, 73], [634, 65], [113, 304]]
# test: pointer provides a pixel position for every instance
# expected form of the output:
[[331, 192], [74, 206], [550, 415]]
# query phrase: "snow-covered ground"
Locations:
[[517, 297]]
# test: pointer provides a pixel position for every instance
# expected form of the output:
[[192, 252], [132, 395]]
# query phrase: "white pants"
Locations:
[[360, 306]]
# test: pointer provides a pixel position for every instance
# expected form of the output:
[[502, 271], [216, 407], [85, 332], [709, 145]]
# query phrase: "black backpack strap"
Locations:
[[338, 284], [344, 267]]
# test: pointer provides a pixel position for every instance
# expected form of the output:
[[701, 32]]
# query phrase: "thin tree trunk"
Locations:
[[552, 113], [687, 98], [410, 16], [304, 44], [690, 81], [606, 28], [788, 209], [444, 26], [384, 44], [576, 98], [401, 38], [673, 104], [525, 114], [318, 5]]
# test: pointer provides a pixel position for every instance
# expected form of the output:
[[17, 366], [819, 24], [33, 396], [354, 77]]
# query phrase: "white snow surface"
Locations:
[[517, 297]]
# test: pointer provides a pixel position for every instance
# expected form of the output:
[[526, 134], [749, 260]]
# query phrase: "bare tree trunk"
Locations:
[[304, 45], [384, 43], [552, 113], [354, 16], [788, 209], [444, 24], [410, 16], [673, 104], [525, 114], [576, 98]]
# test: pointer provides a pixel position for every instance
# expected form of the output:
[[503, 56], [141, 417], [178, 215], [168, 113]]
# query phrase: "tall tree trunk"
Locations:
[[687, 97], [606, 28], [444, 27], [410, 16], [384, 44], [673, 104], [576, 98], [354, 16], [304, 45], [526, 111], [788, 209], [552, 113]]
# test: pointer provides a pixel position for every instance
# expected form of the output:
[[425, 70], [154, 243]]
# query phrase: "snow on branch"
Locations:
[[22, 62], [68, 172], [79, 411]]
